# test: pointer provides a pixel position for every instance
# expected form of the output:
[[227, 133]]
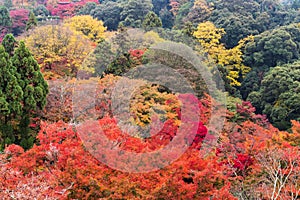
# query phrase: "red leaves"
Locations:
[[64, 164], [246, 111], [137, 53], [67, 9], [70, 170], [242, 162], [19, 19], [14, 150]]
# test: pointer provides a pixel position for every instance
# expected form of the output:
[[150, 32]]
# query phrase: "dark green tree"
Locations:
[[41, 11], [32, 21], [167, 18], [8, 4], [109, 12], [101, 58], [159, 5], [279, 95], [122, 64], [151, 21], [31, 79], [5, 21], [251, 83], [9, 43], [11, 95], [241, 18], [23, 92], [134, 12], [189, 29], [269, 49], [272, 48], [87, 8]]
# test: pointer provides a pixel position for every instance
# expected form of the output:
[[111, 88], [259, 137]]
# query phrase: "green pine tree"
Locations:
[[5, 20], [10, 99], [151, 21], [31, 80], [9, 42], [32, 21], [23, 91]]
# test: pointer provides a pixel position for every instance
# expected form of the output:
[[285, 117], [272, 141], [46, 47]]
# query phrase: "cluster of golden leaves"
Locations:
[[209, 37], [61, 49]]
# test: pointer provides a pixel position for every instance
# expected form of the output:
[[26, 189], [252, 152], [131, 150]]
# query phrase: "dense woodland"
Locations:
[[54, 52]]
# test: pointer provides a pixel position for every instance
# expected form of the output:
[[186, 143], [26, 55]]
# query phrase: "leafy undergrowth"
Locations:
[[244, 161]]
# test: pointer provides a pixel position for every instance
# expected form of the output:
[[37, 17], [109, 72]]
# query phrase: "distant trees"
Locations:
[[134, 12], [41, 10], [86, 24], [274, 47], [182, 12], [19, 20], [209, 37], [269, 49], [199, 12], [278, 96], [151, 20], [32, 21], [5, 21], [87, 8], [68, 9], [241, 18], [59, 49], [109, 12]]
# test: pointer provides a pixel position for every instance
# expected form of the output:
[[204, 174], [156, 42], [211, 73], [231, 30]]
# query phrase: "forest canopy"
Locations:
[[150, 99]]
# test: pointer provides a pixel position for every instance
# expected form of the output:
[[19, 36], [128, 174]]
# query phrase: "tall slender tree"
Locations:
[[5, 21], [151, 21], [32, 21], [9, 43], [23, 91]]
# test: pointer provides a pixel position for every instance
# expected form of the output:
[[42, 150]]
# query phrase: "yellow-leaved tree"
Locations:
[[209, 37], [59, 50], [89, 26]]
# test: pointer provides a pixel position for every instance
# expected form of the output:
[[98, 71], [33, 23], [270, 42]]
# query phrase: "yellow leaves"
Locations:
[[242, 42], [140, 39], [148, 102], [152, 37], [59, 50], [86, 24], [203, 5], [232, 79], [209, 37]]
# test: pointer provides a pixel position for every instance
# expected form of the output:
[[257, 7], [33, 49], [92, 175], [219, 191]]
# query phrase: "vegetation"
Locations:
[[150, 99]]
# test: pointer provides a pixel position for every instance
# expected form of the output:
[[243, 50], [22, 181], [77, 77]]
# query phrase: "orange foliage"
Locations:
[[71, 172]]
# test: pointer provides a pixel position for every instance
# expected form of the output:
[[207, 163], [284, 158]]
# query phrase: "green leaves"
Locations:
[[9, 43], [272, 48], [5, 20], [134, 12], [278, 96], [23, 90], [151, 21], [32, 21], [34, 84]]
